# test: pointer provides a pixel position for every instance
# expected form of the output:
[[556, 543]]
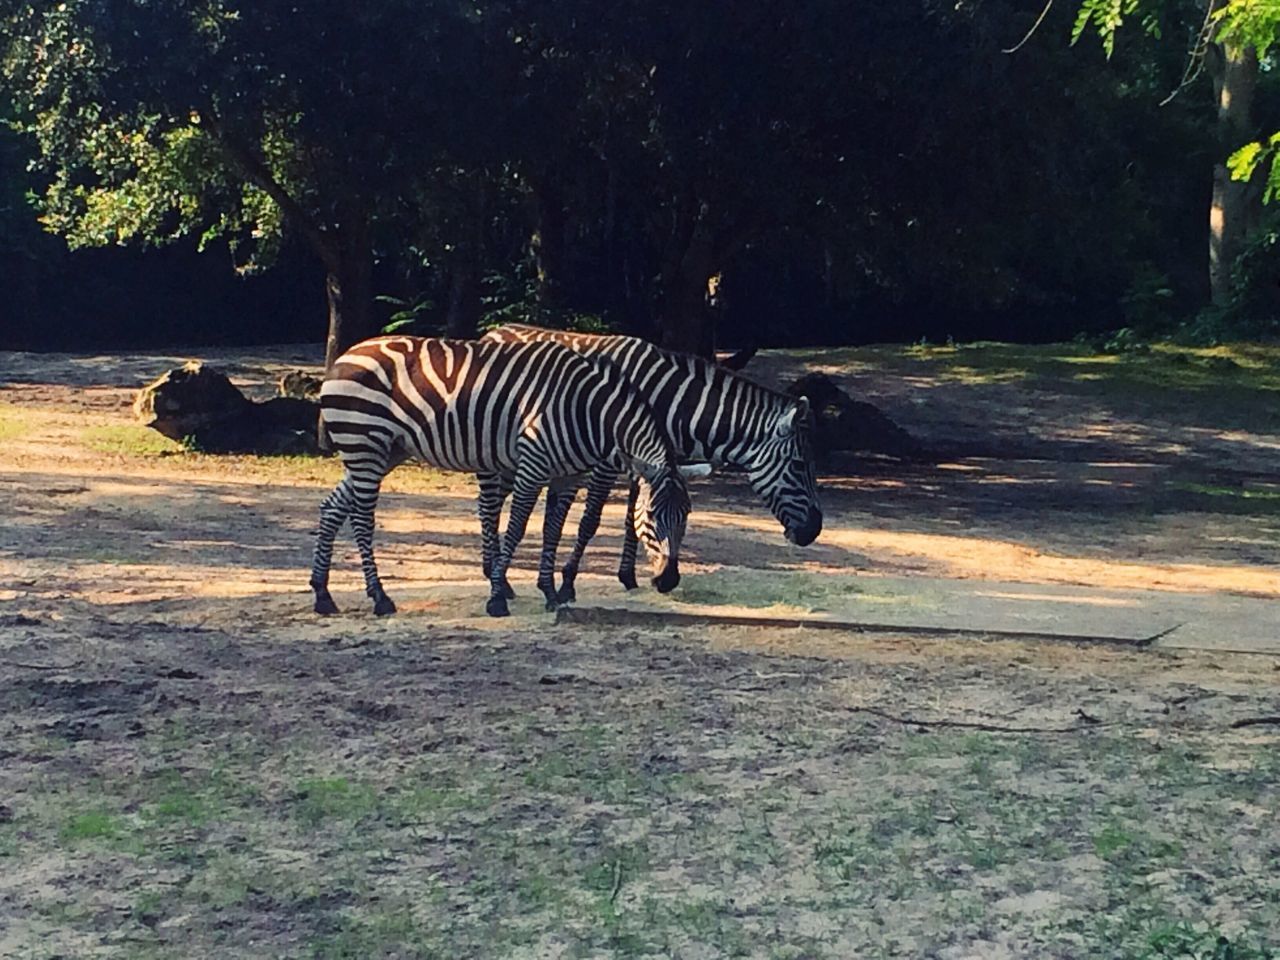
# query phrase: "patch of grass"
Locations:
[[590, 762], [334, 799], [395, 932], [1131, 847], [1235, 500], [224, 880], [1184, 941], [15, 422], [129, 440], [194, 799], [94, 825], [8, 840], [797, 592], [1110, 840]]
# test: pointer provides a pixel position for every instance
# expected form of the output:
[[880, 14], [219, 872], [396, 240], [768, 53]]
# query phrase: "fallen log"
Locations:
[[198, 405]]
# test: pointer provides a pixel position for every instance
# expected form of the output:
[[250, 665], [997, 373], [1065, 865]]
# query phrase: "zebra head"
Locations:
[[781, 470], [661, 512]]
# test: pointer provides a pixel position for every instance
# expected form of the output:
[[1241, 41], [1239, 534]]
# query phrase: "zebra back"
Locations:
[[710, 413], [475, 406]]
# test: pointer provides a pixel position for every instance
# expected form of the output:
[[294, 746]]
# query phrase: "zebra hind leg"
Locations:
[[627, 563], [362, 520], [333, 513]]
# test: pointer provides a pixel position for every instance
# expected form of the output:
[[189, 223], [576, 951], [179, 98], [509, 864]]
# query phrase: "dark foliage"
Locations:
[[840, 173]]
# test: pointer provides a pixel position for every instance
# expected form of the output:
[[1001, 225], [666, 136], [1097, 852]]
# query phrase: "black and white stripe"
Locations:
[[711, 415], [524, 415]]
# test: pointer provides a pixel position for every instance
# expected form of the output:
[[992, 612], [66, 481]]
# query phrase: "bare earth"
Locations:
[[194, 765]]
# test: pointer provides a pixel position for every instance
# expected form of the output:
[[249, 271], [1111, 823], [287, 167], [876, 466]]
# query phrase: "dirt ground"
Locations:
[[193, 765]]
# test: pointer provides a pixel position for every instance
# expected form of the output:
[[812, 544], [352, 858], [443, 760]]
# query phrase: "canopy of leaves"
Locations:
[[856, 166]]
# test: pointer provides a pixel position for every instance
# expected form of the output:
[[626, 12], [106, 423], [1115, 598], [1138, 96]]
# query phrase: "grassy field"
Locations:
[[192, 765], [643, 796]]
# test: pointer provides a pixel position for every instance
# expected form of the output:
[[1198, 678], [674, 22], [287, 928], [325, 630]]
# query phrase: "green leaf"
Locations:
[[1244, 161]]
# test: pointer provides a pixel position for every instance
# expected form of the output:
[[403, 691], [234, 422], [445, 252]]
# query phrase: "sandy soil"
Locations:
[[192, 764]]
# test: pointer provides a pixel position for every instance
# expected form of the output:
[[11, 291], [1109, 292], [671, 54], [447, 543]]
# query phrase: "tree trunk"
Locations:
[[349, 286], [462, 316], [1233, 211], [688, 325], [685, 319], [548, 242], [350, 312], [462, 319]]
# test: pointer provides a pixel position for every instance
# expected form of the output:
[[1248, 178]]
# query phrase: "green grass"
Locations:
[[1230, 386], [15, 422], [671, 815], [1249, 366], [338, 799], [1227, 500], [128, 440], [94, 825], [1185, 941]]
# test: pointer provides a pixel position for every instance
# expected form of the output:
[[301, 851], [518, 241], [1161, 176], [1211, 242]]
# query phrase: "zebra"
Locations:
[[531, 414], [712, 415]]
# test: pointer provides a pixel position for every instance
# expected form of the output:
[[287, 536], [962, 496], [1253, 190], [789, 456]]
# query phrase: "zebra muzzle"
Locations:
[[668, 579]]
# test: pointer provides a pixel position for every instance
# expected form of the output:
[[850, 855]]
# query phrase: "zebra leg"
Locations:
[[333, 513], [558, 504], [362, 519], [493, 491], [627, 564], [523, 500], [598, 489]]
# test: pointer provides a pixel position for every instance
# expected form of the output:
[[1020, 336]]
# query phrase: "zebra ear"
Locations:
[[802, 409], [691, 470]]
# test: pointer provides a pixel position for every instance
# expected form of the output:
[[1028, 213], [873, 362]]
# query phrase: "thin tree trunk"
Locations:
[[548, 242], [462, 316], [685, 318], [688, 325], [462, 319], [1234, 208], [349, 289]]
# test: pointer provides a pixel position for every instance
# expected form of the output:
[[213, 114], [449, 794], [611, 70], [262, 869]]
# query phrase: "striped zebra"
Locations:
[[712, 415], [532, 415]]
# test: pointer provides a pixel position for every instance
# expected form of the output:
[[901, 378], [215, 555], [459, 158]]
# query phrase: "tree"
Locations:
[[229, 120], [1230, 37]]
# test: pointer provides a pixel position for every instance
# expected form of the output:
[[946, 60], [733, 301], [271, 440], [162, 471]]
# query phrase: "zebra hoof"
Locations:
[[325, 605], [628, 580], [383, 606], [497, 607], [567, 594]]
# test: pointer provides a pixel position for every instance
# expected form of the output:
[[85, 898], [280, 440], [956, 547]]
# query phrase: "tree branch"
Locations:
[[1030, 33], [974, 725], [1254, 722], [254, 171]]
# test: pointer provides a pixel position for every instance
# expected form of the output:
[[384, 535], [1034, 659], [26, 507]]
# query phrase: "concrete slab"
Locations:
[[1202, 621]]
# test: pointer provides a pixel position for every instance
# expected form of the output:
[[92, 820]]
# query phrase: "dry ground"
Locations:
[[191, 765]]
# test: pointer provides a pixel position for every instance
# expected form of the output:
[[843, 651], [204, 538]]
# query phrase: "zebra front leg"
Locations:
[[362, 520], [523, 499], [627, 563], [333, 513], [598, 489], [558, 503], [493, 491]]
